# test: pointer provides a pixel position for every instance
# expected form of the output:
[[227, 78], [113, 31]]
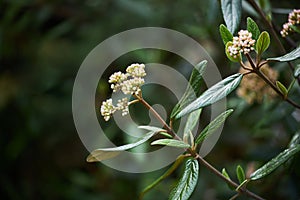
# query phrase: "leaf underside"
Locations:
[[107, 153]]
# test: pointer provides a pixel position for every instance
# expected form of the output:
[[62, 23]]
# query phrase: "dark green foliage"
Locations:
[[232, 11], [43, 43], [253, 28], [225, 34], [213, 94], [188, 181]]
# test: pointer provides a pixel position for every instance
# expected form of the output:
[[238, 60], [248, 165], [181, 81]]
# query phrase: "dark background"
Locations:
[[43, 44]]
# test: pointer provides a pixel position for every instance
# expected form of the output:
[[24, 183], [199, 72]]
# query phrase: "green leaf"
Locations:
[[193, 89], [107, 153], [192, 120], [157, 130], [282, 88], [253, 28], [297, 71], [275, 163], [171, 143], [262, 42], [225, 34], [237, 59], [295, 140], [293, 55], [166, 134], [231, 10], [152, 128], [188, 181], [213, 94], [224, 172], [240, 174], [165, 175], [213, 126]]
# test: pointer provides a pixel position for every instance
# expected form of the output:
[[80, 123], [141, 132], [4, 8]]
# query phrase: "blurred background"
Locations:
[[43, 44]]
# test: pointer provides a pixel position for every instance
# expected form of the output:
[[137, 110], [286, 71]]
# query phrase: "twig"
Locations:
[[194, 154], [219, 174], [256, 70], [158, 117], [273, 32]]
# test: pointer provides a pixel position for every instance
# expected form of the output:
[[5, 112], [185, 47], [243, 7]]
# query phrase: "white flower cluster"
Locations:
[[293, 20], [129, 83], [241, 44], [107, 108]]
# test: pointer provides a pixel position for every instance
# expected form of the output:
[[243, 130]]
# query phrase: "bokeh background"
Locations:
[[43, 44]]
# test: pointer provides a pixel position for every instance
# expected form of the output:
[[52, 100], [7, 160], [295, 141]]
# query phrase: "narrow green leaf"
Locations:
[[166, 134], [188, 181], [297, 71], [282, 88], [225, 34], [295, 140], [213, 94], [275, 163], [253, 28], [240, 174], [293, 55], [152, 128], [156, 130], [165, 175], [213, 126], [231, 58], [262, 42], [171, 143], [107, 153], [232, 10], [192, 120], [193, 89], [224, 172]]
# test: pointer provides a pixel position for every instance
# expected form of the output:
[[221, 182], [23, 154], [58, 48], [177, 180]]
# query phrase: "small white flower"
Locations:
[[129, 83], [241, 44], [132, 86], [107, 109], [123, 106], [116, 79], [136, 70]]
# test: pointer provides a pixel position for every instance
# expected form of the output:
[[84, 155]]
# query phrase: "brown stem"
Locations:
[[250, 61], [269, 24], [267, 80], [158, 117], [193, 153], [256, 70], [262, 63], [219, 174], [273, 32]]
